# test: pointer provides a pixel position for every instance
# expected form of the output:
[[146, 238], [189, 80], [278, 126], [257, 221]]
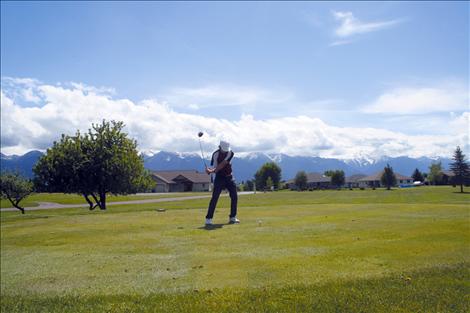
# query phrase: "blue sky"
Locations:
[[395, 66]]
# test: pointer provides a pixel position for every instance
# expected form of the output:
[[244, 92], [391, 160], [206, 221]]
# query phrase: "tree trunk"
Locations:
[[15, 204], [18, 207], [90, 203], [103, 200], [98, 203], [461, 187]]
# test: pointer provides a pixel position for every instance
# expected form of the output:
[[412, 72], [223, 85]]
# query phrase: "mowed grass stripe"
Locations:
[[438, 289]]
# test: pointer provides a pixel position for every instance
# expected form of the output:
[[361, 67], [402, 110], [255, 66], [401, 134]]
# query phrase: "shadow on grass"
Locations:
[[212, 227], [463, 193]]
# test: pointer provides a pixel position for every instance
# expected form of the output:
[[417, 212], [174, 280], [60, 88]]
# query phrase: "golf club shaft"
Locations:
[[202, 153]]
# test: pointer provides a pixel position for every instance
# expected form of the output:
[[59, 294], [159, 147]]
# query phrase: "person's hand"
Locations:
[[209, 170]]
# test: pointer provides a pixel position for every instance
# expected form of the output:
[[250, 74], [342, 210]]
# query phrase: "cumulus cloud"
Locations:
[[421, 100], [350, 25], [156, 126]]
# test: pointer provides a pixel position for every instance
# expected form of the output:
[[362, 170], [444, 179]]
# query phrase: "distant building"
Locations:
[[353, 180], [374, 180], [448, 178], [314, 181], [181, 181]]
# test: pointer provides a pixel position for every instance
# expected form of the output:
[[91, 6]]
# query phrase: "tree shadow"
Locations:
[[212, 227], [465, 192]]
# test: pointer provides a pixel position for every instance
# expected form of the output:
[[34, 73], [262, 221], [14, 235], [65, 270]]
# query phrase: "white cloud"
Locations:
[[217, 95], [350, 25], [29, 95], [340, 43], [421, 100], [92, 89], [158, 127], [461, 124]]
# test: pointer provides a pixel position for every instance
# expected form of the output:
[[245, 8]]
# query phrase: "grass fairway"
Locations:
[[323, 251]]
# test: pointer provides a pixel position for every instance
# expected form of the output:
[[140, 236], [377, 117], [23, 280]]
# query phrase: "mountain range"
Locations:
[[246, 166]]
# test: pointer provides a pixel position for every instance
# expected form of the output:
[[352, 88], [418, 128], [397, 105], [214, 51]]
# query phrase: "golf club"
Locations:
[[200, 134]]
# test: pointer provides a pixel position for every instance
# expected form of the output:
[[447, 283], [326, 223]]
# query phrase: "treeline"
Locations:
[[268, 177]]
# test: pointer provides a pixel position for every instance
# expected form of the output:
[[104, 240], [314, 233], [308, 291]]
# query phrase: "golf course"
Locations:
[[402, 250]]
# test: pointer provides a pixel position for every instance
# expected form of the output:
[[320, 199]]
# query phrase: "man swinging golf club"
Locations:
[[222, 167]]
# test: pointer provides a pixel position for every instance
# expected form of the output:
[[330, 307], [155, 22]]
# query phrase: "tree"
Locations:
[[460, 168], [301, 180], [417, 176], [15, 188], [249, 185], [435, 173], [99, 162], [269, 183], [388, 178], [64, 168], [337, 178], [328, 173], [269, 169]]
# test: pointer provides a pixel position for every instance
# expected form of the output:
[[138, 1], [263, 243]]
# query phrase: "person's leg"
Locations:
[[218, 186], [232, 189]]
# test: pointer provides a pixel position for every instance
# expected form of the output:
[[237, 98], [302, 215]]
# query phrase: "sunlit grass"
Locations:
[[60, 198], [371, 251]]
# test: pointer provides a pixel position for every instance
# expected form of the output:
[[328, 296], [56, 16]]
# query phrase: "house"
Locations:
[[180, 181], [353, 180], [374, 180], [314, 181], [448, 178]]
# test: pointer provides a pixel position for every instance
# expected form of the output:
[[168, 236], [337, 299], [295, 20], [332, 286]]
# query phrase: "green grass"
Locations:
[[32, 201], [323, 251]]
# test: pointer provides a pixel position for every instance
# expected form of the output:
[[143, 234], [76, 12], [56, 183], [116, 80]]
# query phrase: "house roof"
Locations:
[[313, 178], [378, 175], [317, 178], [355, 178], [191, 175]]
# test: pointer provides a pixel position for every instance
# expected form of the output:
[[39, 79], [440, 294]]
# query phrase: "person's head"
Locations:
[[224, 146]]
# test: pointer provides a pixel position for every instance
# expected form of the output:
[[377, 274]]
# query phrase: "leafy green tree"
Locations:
[[64, 168], [269, 182], [269, 169], [435, 173], [388, 178], [337, 178], [249, 185], [417, 176], [328, 173], [100, 162], [300, 180], [15, 188], [460, 167]]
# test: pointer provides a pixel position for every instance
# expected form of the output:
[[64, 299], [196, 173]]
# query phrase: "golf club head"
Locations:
[[200, 134]]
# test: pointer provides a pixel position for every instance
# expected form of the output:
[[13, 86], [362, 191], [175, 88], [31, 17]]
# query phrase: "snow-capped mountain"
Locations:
[[22, 164], [245, 165]]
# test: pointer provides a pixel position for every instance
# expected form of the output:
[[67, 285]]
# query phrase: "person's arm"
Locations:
[[222, 164], [210, 170]]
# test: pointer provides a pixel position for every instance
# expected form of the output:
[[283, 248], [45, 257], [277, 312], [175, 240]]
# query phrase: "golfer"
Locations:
[[222, 167]]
